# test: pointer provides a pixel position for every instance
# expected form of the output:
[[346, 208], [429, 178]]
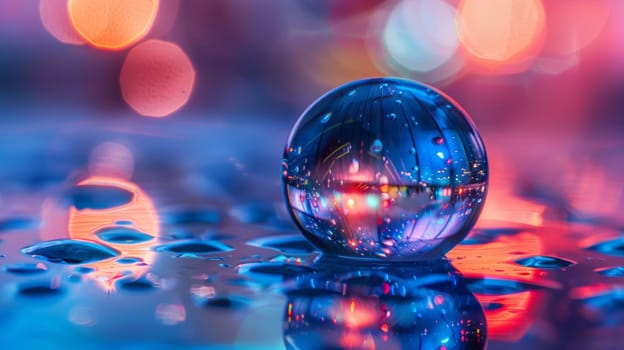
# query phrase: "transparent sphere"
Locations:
[[385, 169]]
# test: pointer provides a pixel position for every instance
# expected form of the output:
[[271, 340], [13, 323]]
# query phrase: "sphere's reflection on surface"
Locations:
[[389, 307]]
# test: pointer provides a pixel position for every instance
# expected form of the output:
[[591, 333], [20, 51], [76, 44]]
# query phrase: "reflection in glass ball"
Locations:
[[385, 169], [420, 307]]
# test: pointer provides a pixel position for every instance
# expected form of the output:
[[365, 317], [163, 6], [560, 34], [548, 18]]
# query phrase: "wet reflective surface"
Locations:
[[423, 306], [198, 252]]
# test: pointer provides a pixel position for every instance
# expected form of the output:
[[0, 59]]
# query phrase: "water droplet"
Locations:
[[26, 268], [193, 217], [376, 147], [391, 116], [229, 302], [610, 247], [438, 140], [123, 235], [74, 278], [492, 306], [272, 272], [194, 247], [39, 289], [545, 262], [83, 269], [17, 223], [613, 271], [138, 285], [99, 197], [326, 118], [70, 251], [352, 92], [493, 286], [287, 244], [205, 296], [487, 235], [127, 261]]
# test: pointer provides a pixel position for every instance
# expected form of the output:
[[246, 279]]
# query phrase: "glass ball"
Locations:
[[385, 169]]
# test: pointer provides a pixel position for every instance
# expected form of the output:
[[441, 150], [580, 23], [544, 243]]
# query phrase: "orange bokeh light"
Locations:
[[576, 24], [157, 78], [112, 24], [501, 31], [55, 19], [140, 212], [166, 17]]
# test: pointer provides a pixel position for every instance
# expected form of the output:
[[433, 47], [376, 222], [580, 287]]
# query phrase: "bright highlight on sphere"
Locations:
[[112, 24], [501, 31], [385, 169], [420, 35], [55, 19], [156, 78]]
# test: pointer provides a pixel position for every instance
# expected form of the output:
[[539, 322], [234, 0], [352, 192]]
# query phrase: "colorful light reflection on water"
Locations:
[[237, 269]]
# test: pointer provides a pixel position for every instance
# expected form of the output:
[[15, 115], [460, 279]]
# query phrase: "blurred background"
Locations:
[[553, 66], [188, 104]]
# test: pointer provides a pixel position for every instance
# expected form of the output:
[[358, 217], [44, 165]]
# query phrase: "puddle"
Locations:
[[137, 285], [287, 244], [545, 262], [272, 272], [98, 197], [39, 290], [123, 235], [70, 251], [194, 247], [495, 286], [611, 247], [613, 271], [230, 302]]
